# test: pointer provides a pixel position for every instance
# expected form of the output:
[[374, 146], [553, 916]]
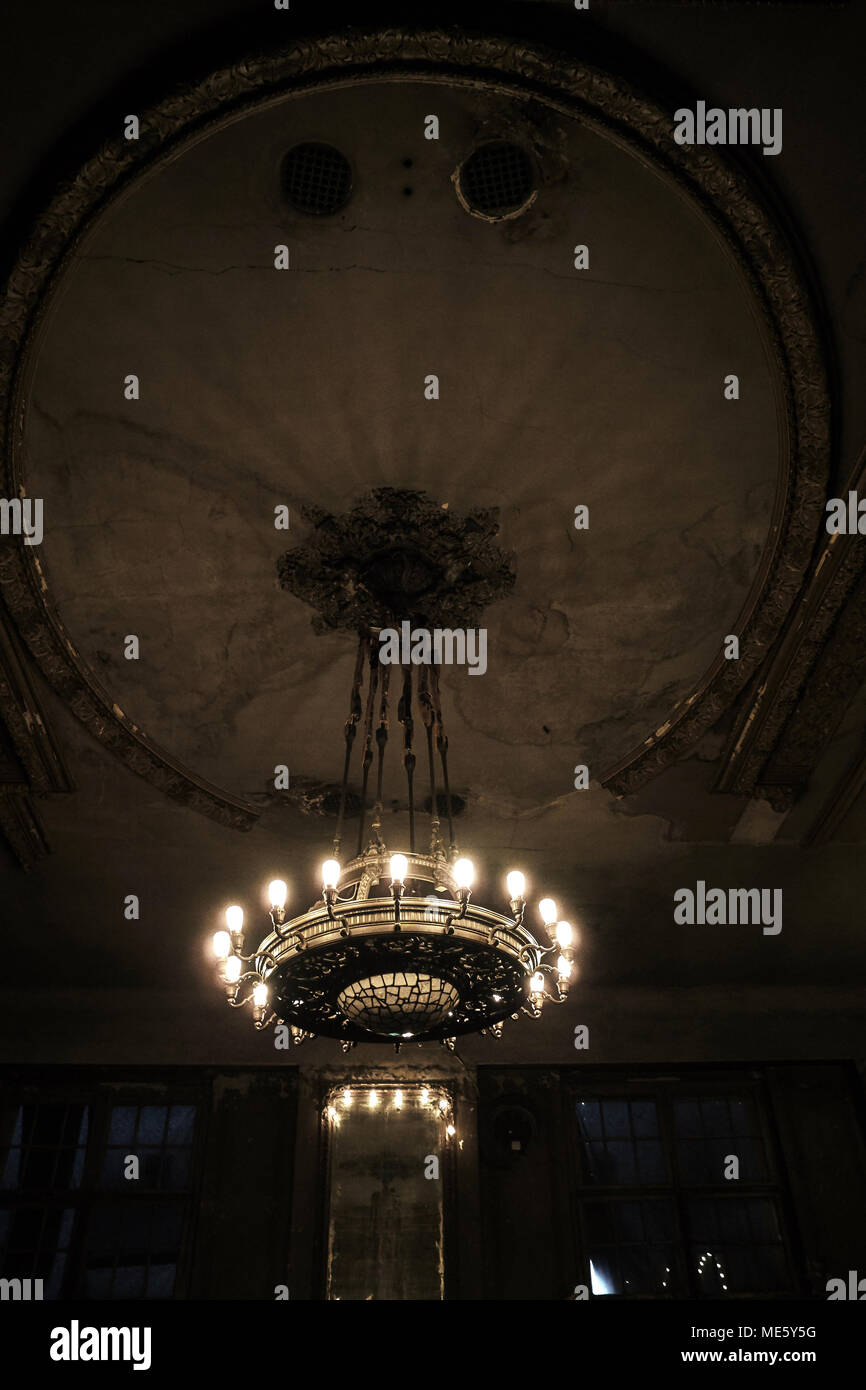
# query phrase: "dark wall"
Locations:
[[518, 1190]]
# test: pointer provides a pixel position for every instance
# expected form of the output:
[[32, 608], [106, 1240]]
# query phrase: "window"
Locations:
[[677, 1192], [77, 1213]]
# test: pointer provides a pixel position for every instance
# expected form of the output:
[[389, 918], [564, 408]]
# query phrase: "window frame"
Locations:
[[101, 1096], [665, 1088]]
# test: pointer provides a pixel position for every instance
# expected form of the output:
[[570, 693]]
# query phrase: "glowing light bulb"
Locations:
[[373, 1100], [347, 1098], [450, 1131], [536, 984], [333, 1116], [443, 1104], [277, 891], [222, 944], [464, 873], [399, 865], [330, 873], [516, 882], [564, 935], [398, 1100], [547, 911], [564, 967], [234, 918], [260, 996], [425, 1096], [233, 970]]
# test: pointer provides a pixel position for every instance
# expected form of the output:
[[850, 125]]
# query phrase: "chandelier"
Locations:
[[395, 949]]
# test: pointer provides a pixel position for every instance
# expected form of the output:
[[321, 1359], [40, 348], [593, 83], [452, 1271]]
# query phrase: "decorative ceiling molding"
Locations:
[[518, 70], [397, 555], [21, 827], [818, 664], [845, 794], [65, 671], [24, 719]]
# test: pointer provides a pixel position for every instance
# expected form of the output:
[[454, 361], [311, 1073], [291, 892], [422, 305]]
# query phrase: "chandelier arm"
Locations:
[[442, 745], [249, 975], [404, 714], [350, 731], [368, 738]]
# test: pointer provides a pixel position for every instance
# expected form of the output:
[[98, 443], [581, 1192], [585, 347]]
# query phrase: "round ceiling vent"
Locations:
[[316, 179], [497, 180]]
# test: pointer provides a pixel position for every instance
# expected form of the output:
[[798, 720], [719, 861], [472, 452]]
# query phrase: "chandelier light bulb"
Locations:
[[234, 918], [443, 1104], [464, 873], [260, 996], [516, 884], [547, 911], [399, 867], [536, 984], [222, 945], [330, 873], [277, 892], [425, 1096], [233, 970], [564, 967], [373, 1100], [564, 935], [398, 1100], [347, 1097]]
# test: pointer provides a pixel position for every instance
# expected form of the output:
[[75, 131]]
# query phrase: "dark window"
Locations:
[[70, 1215], [678, 1195]]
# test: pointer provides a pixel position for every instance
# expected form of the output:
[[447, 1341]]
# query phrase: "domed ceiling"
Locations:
[[558, 387]]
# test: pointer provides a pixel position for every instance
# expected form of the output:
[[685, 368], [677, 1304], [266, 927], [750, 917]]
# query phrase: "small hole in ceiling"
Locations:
[[497, 180], [316, 179]]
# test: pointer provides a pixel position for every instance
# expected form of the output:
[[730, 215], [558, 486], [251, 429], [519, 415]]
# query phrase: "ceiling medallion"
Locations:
[[395, 950]]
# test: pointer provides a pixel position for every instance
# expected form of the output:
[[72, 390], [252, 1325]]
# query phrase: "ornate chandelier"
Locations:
[[395, 950]]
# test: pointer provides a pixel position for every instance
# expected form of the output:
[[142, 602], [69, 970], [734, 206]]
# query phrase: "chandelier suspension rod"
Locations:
[[381, 742], [350, 731], [368, 737], [426, 704], [442, 745], [404, 714]]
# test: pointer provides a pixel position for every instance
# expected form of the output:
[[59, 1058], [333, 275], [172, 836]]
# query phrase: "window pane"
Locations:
[[709, 1130], [630, 1247], [181, 1124], [736, 1246], [151, 1124], [121, 1129], [589, 1119]]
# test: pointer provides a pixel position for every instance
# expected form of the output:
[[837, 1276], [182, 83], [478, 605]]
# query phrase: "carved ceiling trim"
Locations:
[[21, 826], [25, 720], [512, 68], [397, 555], [810, 679]]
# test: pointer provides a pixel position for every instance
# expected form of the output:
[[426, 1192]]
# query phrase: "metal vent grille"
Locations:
[[316, 179], [497, 179]]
